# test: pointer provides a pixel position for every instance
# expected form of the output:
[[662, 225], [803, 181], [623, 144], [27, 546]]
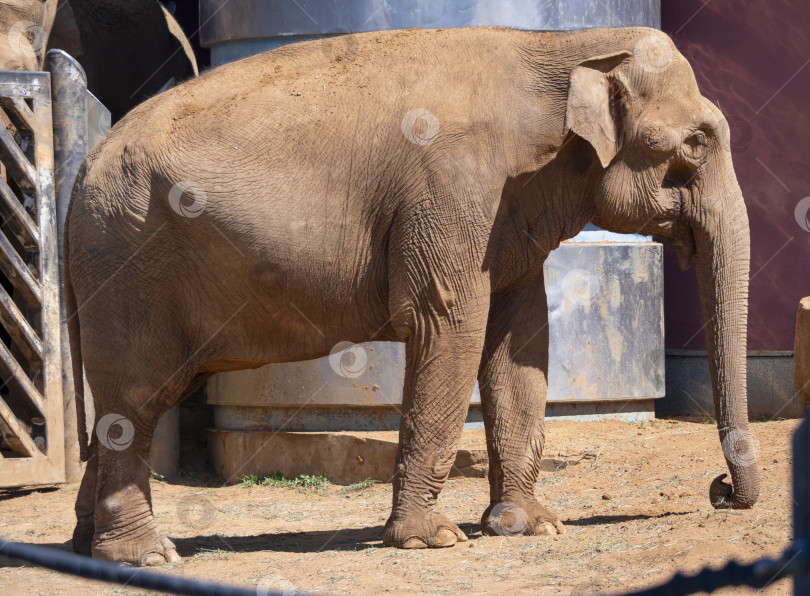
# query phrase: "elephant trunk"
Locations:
[[722, 247]]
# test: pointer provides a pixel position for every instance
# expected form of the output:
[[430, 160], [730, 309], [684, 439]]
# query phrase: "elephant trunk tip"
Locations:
[[723, 496]]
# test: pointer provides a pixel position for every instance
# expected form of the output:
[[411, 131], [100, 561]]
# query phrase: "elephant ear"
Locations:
[[587, 112]]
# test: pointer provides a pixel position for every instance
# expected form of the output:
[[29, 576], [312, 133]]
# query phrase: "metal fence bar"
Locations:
[[127, 575], [31, 419]]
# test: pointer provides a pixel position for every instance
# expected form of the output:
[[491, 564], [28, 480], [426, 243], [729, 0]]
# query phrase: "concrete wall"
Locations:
[[752, 59], [689, 390]]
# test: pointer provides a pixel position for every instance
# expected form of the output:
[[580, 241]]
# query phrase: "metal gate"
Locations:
[[31, 402]]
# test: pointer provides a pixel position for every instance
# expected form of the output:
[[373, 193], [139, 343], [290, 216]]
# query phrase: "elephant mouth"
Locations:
[[684, 244], [674, 224]]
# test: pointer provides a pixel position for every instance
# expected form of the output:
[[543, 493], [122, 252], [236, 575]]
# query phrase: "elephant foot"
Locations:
[[423, 529], [148, 549], [520, 517], [83, 535]]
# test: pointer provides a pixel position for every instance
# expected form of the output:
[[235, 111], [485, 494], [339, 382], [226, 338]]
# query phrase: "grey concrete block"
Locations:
[[343, 458], [689, 390]]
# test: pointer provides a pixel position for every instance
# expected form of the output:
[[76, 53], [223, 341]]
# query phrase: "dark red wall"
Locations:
[[752, 59]]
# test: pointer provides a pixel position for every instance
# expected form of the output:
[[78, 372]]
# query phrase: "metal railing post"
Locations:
[[69, 101]]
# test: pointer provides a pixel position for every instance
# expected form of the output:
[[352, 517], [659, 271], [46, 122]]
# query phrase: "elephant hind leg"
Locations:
[[123, 524], [85, 505], [115, 490]]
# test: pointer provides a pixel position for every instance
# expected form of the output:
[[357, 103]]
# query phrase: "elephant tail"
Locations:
[[72, 313]]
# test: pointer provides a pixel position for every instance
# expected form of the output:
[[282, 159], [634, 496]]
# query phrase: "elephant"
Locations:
[[129, 49], [397, 186], [24, 29]]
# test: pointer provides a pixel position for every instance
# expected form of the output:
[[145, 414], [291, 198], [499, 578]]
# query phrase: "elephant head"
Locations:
[[24, 29], [667, 171]]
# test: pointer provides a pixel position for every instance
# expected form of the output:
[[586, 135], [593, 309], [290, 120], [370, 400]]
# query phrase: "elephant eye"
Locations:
[[695, 144], [697, 139]]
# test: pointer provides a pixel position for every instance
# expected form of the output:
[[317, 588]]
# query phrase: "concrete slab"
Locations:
[[769, 378], [344, 458]]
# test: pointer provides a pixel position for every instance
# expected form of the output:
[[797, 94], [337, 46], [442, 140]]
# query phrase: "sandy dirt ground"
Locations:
[[634, 498]]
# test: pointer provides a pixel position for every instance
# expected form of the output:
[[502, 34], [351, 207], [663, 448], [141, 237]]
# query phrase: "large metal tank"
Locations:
[[605, 291]]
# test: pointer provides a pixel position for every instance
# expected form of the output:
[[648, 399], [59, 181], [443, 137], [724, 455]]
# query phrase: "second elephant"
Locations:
[[129, 49]]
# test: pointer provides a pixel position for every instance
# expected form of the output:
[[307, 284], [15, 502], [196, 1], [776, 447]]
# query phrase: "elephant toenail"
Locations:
[[548, 530], [445, 538], [172, 556], [414, 543], [152, 559]]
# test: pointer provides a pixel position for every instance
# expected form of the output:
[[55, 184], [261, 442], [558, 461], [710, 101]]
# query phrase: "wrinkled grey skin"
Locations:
[[318, 209], [24, 29]]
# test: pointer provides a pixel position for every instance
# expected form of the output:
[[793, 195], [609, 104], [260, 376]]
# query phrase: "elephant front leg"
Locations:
[[441, 364], [513, 383]]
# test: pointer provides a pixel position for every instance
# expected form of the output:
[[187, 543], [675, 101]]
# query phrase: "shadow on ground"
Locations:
[[348, 539], [13, 493], [601, 520], [353, 539]]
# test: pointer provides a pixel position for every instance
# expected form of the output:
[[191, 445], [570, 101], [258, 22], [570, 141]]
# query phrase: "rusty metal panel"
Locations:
[[69, 95], [368, 374], [99, 120], [606, 327], [31, 416], [381, 418], [606, 321]]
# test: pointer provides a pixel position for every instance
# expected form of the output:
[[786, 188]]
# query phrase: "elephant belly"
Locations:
[[305, 286]]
